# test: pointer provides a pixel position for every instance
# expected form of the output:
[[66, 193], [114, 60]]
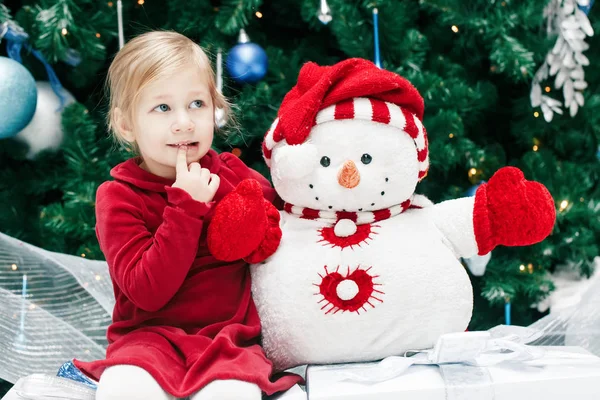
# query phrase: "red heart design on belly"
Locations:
[[348, 293]]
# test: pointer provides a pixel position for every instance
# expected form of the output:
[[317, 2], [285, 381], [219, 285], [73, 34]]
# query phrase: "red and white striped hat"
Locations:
[[352, 89]]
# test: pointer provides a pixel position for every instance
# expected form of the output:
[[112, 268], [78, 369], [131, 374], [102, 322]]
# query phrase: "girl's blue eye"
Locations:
[[197, 104], [162, 108]]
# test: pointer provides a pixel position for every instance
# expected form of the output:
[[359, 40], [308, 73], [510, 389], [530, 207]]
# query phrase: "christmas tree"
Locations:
[[504, 82]]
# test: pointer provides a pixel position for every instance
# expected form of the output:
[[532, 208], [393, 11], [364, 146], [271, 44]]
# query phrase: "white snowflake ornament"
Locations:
[[566, 59]]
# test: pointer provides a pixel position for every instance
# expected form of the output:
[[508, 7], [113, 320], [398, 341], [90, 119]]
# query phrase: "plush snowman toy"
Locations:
[[357, 267]]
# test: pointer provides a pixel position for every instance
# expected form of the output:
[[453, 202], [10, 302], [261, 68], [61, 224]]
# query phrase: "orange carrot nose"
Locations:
[[349, 177]]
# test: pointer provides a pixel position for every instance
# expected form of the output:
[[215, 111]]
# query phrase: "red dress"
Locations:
[[180, 314]]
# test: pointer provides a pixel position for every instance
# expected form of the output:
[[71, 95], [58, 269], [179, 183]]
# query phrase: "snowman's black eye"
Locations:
[[366, 159], [325, 161]]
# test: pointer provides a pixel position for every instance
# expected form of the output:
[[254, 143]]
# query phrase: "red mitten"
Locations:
[[244, 225], [272, 236], [512, 211]]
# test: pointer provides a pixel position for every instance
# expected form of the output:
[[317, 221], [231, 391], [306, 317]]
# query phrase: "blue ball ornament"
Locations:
[[247, 63], [586, 9], [18, 97], [473, 189]]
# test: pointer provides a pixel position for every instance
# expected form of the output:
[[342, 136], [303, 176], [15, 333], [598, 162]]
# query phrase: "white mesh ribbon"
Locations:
[[578, 324], [53, 308], [463, 359], [500, 344]]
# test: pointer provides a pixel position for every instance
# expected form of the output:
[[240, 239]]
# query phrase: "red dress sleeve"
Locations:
[[149, 269]]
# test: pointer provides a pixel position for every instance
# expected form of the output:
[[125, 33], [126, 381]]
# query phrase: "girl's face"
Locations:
[[171, 112]]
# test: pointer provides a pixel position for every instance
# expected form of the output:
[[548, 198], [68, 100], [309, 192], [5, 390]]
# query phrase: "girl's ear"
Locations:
[[123, 125]]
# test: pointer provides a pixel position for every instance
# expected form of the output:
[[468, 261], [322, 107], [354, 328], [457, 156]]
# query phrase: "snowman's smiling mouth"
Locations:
[[330, 207]]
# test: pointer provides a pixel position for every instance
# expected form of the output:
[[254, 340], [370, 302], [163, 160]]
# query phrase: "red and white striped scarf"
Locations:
[[358, 217]]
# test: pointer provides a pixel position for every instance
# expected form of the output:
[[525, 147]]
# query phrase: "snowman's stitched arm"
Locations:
[[454, 218]]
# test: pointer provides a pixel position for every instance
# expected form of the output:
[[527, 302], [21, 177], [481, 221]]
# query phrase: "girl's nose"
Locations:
[[183, 123]]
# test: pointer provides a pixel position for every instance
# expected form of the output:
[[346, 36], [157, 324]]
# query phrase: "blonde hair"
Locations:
[[143, 60]]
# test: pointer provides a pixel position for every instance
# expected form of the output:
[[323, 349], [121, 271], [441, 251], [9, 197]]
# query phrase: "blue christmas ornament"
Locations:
[[18, 97], [246, 62], [586, 9], [473, 189], [17, 39]]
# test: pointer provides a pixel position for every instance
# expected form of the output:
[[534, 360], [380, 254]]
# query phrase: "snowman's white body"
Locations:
[[420, 291], [417, 288]]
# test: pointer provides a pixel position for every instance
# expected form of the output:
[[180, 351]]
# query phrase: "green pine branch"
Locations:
[[61, 27], [191, 21], [235, 15], [4, 14], [511, 57], [493, 25], [354, 35]]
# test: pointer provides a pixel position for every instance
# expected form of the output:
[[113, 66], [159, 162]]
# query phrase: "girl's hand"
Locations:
[[198, 182]]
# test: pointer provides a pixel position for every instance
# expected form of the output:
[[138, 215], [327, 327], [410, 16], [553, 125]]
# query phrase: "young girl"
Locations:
[[184, 324]]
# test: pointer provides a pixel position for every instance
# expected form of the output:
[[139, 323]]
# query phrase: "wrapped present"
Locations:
[[296, 392], [46, 387], [71, 384], [497, 364], [68, 384]]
